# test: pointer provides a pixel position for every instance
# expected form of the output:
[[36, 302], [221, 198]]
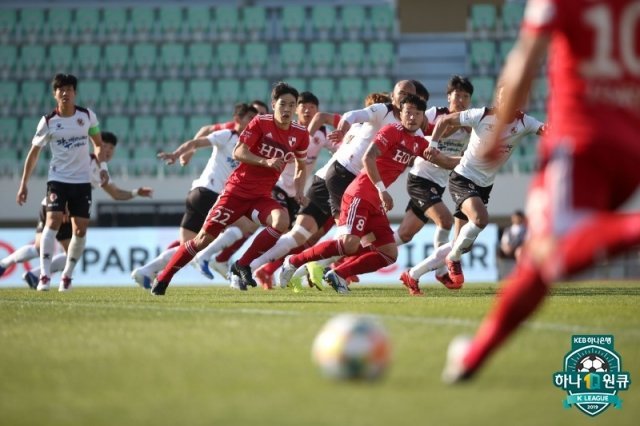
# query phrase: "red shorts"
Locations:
[[229, 208], [572, 186], [359, 217]]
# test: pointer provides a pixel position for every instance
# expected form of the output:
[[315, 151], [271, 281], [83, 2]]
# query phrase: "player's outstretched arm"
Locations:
[[119, 194], [185, 148]]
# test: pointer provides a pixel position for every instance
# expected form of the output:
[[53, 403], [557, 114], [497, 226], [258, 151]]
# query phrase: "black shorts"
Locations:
[[64, 233], [289, 203], [318, 207], [462, 188], [74, 197], [337, 180], [197, 205], [422, 194]]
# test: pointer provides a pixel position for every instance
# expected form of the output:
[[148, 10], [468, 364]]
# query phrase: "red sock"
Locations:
[[521, 294], [323, 250], [263, 242], [186, 252], [226, 254], [369, 261], [270, 268]]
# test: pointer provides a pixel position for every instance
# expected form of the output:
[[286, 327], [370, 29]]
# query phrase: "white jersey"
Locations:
[[351, 151], [452, 145], [482, 121], [353, 130], [221, 163], [69, 142]]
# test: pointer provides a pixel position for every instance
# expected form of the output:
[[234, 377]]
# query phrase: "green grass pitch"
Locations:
[[214, 356]]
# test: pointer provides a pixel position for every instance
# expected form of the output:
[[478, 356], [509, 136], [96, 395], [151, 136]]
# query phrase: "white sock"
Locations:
[[432, 262], [465, 239], [283, 246], [74, 254], [440, 237], [58, 262], [22, 254], [224, 240], [47, 245], [158, 264], [397, 238]]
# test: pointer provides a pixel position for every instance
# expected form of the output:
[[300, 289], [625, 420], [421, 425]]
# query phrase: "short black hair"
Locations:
[[420, 90], [61, 80], [519, 213], [259, 102], [108, 137], [458, 82], [281, 88], [308, 98], [243, 109], [416, 100]]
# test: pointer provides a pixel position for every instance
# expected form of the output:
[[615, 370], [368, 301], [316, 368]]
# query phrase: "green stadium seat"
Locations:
[[324, 89], [31, 24], [228, 57], [88, 59], [59, 24], [350, 93], [26, 131], [8, 19], [9, 96], [383, 18], [170, 22], [145, 130], [86, 23], [254, 21], [114, 23], [482, 20], [256, 88], [353, 17], [198, 22], [199, 59], [323, 20], [292, 57], [31, 62], [375, 85], [539, 92], [292, 21], [172, 94], [504, 47], [8, 60], [381, 57], [226, 21], [9, 163], [482, 57], [145, 93], [228, 93], [172, 130], [172, 59], [299, 83], [200, 96], [351, 57], [144, 59], [90, 93], [116, 59], [142, 23], [9, 130], [483, 90], [34, 95], [60, 58], [195, 122], [117, 94], [321, 57], [120, 126], [511, 17], [146, 162], [255, 58]]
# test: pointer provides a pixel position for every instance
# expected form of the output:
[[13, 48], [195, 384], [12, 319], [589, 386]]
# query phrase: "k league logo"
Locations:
[[592, 374]]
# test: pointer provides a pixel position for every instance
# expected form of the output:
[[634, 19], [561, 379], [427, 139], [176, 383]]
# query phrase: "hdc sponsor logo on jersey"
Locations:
[[271, 151]]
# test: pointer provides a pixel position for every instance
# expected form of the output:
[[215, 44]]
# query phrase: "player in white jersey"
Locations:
[[205, 190], [64, 234], [427, 181], [68, 130], [472, 179]]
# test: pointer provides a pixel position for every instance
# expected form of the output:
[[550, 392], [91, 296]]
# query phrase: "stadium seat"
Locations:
[[172, 131], [383, 18], [199, 59], [482, 20], [8, 19], [352, 19], [378, 85], [228, 57], [254, 22], [321, 57], [352, 58], [504, 47], [9, 96], [88, 59], [60, 59], [27, 130], [33, 94], [511, 17], [198, 22], [9, 164], [172, 59], [483, 89], [144, 59], [146, 162], [172, 94], [350, 93], [114, 23], [256, 88], [120, 126], [381, 57], [228, 93], [90, 94], [324, 89], [9, 130], [58, 25], [145, 130], [116, 59], [255, 59], [323, 20], [299, 83], [144, 95], [86, 23], [195, 122], [539, 91], [117, 94], [142, 23], [31, 24], [482, 57], [292, 58], [292, 21], [8, 60], [226, 22], [31, 62], [170, 23], [200, 95]]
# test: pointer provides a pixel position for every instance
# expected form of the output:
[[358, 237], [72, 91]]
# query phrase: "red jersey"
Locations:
[[594, 72], [229, 125], [266, 140], [399, 148]]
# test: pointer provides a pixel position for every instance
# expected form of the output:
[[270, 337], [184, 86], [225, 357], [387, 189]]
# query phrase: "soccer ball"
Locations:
[[352, 346], [592, 364]]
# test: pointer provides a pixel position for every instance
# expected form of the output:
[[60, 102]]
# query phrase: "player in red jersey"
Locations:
[[366, 201], [266, 145], [589, 165]]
